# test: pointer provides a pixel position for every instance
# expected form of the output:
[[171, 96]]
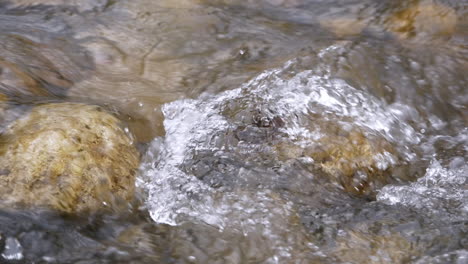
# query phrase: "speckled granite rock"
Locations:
[[67, 156]]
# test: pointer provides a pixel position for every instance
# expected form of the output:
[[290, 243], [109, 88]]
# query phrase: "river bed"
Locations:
[[270, 131]]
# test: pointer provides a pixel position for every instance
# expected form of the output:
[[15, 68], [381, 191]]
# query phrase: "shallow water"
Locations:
[[293, 131]]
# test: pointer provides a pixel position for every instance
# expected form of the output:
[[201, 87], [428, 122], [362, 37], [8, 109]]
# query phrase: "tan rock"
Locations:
[[358, 162], [423, 21], [353, 160], [344, 26], [67, 156], [360, 247], [3, 107]]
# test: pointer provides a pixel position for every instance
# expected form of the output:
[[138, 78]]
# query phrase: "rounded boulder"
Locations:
[[67, 156]]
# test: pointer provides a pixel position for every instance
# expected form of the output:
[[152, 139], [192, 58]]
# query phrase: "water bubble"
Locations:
[[13, 249]]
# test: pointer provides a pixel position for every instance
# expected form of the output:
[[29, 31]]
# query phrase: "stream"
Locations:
[[270, 131]]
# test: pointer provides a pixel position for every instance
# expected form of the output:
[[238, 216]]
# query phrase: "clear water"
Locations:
[[234, 105]]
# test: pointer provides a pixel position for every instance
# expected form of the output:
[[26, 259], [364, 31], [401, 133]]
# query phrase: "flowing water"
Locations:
[[271, 131]]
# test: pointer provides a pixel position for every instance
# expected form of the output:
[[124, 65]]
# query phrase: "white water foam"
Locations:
[[176, 196], [188, 123], [441, 190]]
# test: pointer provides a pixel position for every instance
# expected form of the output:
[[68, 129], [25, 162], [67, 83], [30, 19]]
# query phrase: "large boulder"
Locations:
[[67, 156]]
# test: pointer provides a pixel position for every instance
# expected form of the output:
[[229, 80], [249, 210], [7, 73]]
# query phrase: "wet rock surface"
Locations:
[[70, 157], [38, 57], [44, 237], [423, 20], [408, 21], [300, 131]]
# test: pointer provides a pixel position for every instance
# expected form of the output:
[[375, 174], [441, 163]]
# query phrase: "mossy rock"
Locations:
[[67, 156]]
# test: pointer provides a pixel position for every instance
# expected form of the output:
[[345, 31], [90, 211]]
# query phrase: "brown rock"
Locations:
[[353, 160], [3, 107], [67, 156], [359, 162], [344, 26], [360, 247], [423, 21]]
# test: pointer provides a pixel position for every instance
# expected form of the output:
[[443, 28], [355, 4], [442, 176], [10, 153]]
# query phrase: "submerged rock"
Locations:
[[391, 248], [344, 26], [35, 62], [3, 105], [67, 156], [423, 21], [360, 163], [354, 160], [417, 22]]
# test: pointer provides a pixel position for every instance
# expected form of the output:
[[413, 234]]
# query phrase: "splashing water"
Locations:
[[441, 191], [177, 196], [294, 131]]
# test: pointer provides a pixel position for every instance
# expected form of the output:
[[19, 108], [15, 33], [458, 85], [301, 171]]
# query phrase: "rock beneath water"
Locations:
[[360, 163], [412, 22], [3, 105], [357, 161], [35, 62], [344, 26], [423, 21], [67, 156], [358, 247]]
